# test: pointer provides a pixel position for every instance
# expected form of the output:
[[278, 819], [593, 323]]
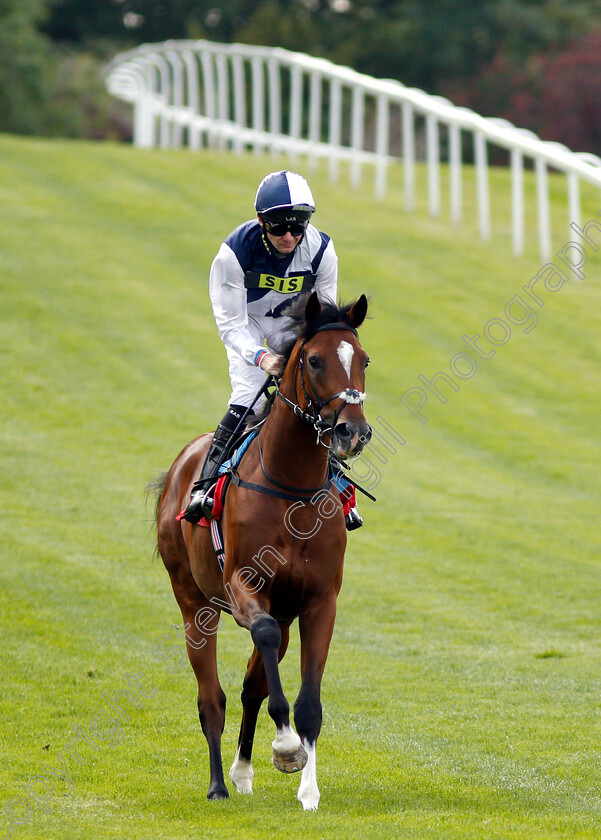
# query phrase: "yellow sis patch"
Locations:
[[285, 285]]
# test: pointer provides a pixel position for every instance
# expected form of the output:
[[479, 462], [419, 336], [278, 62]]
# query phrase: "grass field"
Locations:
[[462, 697]]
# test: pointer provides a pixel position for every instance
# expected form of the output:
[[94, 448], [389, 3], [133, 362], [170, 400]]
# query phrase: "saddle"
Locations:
[[225, 476]]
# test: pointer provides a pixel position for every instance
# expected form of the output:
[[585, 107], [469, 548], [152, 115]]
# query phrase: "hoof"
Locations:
[[217, 792], [290, 762]]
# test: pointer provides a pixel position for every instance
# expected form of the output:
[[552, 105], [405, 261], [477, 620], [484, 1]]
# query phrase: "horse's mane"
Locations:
[[330, 313]]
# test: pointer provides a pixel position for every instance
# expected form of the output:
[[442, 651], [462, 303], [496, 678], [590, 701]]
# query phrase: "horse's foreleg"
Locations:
[[254, 691], [316, 626], [288, 752]]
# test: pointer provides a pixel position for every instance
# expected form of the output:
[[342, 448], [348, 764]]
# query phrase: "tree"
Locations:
[[79, 21], [572, 111], [25, 59]]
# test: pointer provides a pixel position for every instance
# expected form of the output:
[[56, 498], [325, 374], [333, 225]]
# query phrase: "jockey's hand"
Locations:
[[272, 364]]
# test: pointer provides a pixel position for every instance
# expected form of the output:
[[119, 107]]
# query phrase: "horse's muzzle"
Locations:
[[349, 438]]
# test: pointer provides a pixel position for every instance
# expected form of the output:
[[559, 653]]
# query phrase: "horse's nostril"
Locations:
[[342, 431]]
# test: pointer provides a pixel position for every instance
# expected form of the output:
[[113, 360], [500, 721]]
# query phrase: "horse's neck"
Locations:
[[291, 453]]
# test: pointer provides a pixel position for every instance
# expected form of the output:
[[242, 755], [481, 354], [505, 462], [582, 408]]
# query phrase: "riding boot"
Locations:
[[201, 499]]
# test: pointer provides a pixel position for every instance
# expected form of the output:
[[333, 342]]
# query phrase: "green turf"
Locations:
[[462, 693]]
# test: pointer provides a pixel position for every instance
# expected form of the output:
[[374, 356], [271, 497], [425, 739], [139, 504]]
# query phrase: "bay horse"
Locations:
[[285, 537]]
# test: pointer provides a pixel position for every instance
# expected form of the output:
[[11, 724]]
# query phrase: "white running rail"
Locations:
[[234, 96]]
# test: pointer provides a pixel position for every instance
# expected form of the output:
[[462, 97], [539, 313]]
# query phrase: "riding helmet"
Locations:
[[284, 195]]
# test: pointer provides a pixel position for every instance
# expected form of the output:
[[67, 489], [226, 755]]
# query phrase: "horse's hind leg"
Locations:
[[254, 691], [201, 645]]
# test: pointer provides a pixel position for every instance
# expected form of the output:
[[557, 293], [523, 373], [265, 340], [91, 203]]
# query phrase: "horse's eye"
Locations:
[[314, 362], [366, 363]]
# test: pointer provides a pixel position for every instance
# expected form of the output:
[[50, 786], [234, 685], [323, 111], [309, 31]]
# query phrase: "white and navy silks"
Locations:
[[249, 286]]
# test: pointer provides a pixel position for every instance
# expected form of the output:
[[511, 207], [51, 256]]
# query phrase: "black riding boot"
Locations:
[[201, 499]]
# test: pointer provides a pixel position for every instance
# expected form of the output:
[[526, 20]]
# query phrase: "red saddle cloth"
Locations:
[[348, 499]]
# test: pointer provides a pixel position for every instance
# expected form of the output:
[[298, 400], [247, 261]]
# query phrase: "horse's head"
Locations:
[[330, 374]]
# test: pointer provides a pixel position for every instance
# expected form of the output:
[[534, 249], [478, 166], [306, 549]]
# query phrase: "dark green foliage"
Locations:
[[24, 59]]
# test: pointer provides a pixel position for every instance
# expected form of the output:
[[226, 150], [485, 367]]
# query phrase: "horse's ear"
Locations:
[[358, 311], [312, 308]]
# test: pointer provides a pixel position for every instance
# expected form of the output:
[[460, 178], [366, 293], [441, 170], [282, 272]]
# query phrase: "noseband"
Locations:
[[312, 414]]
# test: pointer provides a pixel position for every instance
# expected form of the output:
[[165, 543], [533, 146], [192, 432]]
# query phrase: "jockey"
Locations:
[[263, 265]]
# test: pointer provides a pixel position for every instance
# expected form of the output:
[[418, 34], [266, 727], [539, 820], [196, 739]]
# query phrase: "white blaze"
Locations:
[[345, 354]]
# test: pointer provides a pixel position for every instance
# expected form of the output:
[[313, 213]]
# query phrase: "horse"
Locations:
[[285, 538]]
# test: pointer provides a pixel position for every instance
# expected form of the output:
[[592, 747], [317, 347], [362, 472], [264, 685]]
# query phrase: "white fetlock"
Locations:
[[242, 774], [308, 792], [286, 740]]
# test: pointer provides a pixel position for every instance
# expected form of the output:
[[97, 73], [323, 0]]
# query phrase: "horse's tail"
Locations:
[[155, 486]]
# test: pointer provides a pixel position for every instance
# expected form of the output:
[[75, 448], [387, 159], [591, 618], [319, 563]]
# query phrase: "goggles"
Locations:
[[296, 228]]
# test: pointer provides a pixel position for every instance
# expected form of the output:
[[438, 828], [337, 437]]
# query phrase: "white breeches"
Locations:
[[247, 379]]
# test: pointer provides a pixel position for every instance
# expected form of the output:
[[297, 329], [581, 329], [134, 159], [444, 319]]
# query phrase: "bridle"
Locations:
[[312, 413]]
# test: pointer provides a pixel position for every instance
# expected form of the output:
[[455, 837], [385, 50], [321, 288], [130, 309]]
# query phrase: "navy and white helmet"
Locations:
[[283, 196]]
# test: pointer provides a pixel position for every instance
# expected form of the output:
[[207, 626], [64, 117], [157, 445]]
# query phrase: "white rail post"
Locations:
[[193, 98], [223, 98], [409, 156], [296, 104], [163, 98], [152, 75], [542, 196], [144, 121], [314, 117], [210, 99], [239, 101], [433, 156], [140, 138], [334, 126], [258, 86], [382, 140], [573, 199], [455, 173], [358, 123], [517, 201], [177, 73], [482, 185], [275, 118]]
